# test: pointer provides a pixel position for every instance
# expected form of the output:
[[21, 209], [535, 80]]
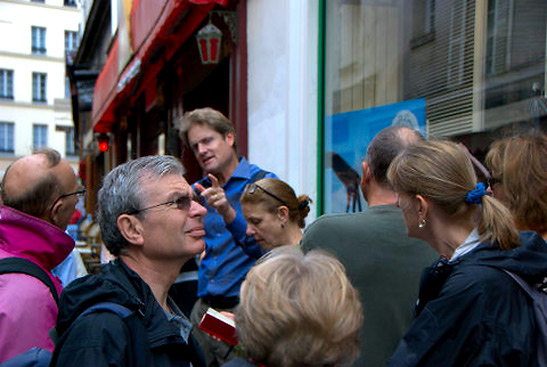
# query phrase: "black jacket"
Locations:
[[104, 339], [470, 313], [239, 362]]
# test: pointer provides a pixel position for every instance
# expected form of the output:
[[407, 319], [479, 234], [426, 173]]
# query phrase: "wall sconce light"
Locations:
[[209, 40]]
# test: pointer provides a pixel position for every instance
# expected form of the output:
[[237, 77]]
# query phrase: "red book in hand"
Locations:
[[219, 326]]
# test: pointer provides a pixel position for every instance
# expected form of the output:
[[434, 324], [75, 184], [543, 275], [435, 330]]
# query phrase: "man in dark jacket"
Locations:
[[150, 222]]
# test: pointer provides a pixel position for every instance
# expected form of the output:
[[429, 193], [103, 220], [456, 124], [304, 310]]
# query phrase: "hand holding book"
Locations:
[[219, 325]]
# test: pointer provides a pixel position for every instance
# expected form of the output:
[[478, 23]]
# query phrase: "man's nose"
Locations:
[[201, 148], [249, 231], [196, 209]]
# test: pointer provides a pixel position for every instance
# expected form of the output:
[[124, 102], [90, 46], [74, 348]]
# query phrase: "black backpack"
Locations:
[[538, 295], [140, 350]]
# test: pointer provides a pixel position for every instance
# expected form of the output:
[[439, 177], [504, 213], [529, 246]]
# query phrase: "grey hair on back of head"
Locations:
[[385, 146]]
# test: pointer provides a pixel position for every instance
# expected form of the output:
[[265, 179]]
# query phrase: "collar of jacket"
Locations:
[[25, 236]]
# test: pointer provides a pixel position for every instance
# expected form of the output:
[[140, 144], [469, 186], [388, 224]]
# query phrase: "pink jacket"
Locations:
[[27, 308]]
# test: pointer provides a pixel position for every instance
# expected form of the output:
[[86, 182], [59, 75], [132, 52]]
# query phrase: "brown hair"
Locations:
[[521, 161], [299, 310], [205, 116], [440, 170], [298, 206]]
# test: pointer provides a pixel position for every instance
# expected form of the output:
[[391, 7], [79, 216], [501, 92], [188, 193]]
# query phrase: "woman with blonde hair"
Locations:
[[519, 179], [298, 310], [470, 311], [274, 214]]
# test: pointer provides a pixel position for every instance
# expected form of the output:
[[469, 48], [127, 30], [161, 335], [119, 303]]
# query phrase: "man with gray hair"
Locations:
[[151, 223], [40, 192], [381, 261]]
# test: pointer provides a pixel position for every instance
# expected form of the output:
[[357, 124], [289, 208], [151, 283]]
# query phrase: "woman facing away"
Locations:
[[274, 214], [519, 179], [470, 312], [298, 310]]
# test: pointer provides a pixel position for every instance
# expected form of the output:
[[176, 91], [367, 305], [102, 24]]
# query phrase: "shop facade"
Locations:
[[308, 83]]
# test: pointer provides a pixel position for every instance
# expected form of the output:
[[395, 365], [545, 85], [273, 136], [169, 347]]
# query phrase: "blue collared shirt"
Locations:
[[226, 263]]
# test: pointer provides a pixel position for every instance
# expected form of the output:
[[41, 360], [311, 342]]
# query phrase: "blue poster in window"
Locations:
[[347, 136]]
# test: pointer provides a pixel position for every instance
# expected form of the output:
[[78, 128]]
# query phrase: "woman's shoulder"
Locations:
[[473, 281]]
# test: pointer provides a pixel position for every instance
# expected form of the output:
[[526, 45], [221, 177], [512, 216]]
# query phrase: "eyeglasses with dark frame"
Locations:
[[79, 193], [181, 203], [251, 188]]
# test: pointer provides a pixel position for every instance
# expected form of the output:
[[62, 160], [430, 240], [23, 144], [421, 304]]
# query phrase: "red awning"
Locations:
[[153, 25], [220, 2], [105, 92]]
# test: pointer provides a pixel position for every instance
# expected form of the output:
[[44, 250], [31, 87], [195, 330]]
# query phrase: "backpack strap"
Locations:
[[112, 307], [24, 266], [140, 349], [538, 295]]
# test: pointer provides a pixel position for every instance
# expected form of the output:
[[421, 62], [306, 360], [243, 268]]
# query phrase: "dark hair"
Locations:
[[205, 116], [299, 207], [37, 200], [385, 146]]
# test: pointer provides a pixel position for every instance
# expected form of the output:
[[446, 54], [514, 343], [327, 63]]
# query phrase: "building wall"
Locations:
[[16, 19], [282, 41]]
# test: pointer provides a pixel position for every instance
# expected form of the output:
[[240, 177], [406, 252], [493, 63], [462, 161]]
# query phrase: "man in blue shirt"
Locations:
[[229, 252]]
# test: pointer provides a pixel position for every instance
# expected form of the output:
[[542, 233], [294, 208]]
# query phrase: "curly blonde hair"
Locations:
[[299, 310]]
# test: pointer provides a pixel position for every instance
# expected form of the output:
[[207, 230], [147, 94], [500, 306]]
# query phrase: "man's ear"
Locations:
[[230, 138], [283, 213], [367, 175], [367, 172], [54, 212], [131, 229]]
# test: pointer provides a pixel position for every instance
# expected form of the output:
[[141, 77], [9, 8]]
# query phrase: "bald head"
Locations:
[[385, 146], [33, 183]]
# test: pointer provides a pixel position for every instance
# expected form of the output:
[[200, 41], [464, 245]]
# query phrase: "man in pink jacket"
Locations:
[[40, 193]]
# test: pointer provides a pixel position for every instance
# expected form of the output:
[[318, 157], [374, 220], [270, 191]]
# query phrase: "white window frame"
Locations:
[[456, 40], [6, 84], [71, 40], [7, 137], [502, 29], [39, 87], [70, 148], [39, 135]]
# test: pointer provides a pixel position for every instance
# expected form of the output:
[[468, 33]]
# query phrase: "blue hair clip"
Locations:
[[303, 205], [475, 196]]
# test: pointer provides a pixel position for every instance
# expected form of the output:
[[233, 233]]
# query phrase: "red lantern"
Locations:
[[209, 40], [103, 140]]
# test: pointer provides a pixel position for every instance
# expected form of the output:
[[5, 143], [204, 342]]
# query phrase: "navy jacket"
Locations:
[[472, 314], [103, 338]]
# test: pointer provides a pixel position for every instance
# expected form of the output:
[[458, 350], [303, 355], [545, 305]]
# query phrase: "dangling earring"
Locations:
[[282, 225], [422, 223]]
